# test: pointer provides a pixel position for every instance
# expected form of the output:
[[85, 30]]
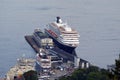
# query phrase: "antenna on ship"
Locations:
[[119, 56], [58, 19]]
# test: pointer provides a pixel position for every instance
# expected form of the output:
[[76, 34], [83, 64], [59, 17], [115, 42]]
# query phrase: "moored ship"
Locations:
[[46, 59], [43, 59], [42, 39], [63, 35]]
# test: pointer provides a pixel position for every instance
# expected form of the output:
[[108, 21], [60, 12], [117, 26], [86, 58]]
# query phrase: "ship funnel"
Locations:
[[58, 20]]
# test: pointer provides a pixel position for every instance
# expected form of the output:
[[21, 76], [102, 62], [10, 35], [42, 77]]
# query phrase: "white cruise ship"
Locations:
[[63, 35]]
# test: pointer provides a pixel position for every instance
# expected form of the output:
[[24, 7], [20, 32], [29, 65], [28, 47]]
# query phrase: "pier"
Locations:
[[29, 39]]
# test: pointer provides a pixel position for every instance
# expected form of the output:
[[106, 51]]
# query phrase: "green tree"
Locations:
[[94, 76], [97, 76], [115, 74], [117, 68], [30, 75], [79, 74], [92, 73]]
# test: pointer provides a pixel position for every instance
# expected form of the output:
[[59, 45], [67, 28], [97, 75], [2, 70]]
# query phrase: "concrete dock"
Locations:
[[30, 40]]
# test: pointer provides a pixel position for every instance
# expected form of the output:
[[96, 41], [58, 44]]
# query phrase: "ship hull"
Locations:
[[69, 49]]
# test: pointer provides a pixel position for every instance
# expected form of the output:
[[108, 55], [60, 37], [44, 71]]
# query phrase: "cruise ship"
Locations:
[[46, 59], [63, 35], [43, 64], [43, 60], [42, 39]]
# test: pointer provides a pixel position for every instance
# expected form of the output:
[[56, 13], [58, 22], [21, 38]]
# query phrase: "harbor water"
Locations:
[[97, 21]]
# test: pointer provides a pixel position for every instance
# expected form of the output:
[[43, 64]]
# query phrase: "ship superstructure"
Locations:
[[42, 39], [63, 35], [43, 60], [46, 59]]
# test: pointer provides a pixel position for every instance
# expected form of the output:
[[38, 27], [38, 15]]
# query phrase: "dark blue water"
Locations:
[[97, 21]]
